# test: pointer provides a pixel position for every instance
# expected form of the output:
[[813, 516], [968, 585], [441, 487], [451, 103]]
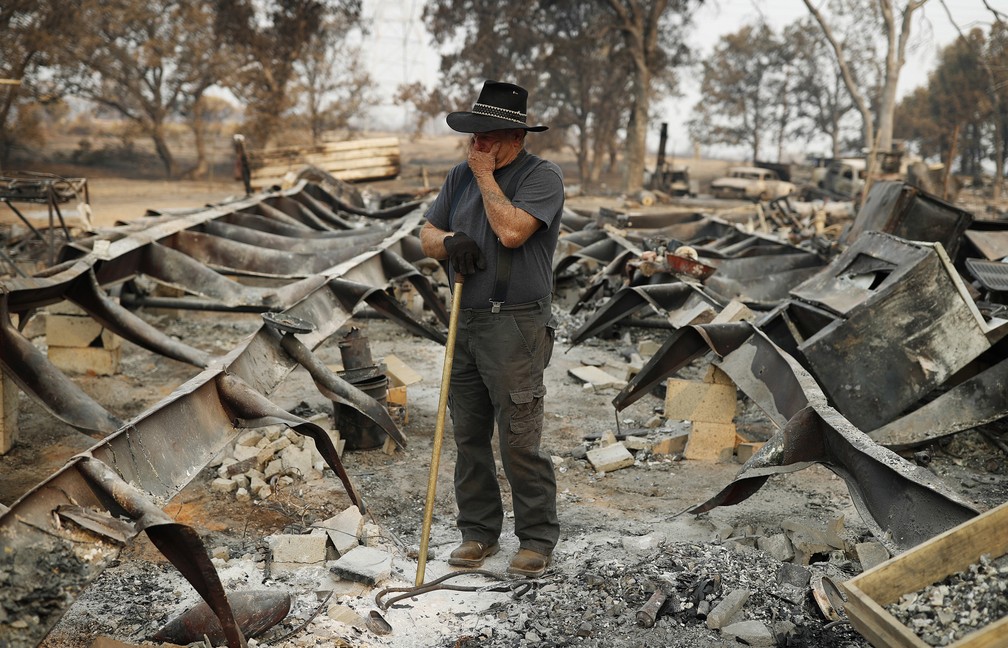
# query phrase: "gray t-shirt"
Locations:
[[540, 193]]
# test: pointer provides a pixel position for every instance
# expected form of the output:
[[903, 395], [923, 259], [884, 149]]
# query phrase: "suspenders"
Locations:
[[504, 254]]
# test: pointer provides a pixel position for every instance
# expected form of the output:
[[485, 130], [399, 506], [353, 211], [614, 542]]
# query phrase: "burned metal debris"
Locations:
[[315, 264], [848, 339]]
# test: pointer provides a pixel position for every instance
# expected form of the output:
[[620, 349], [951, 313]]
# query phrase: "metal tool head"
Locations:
[[288, 323]]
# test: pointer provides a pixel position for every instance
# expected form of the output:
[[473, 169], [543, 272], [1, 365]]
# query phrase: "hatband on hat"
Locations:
[[499, 106]]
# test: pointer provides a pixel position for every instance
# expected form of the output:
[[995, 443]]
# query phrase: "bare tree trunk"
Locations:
[[163, 152], [201, 166], [999, 156], [948, 162], [897, 38], [637, 134], [847, 75]]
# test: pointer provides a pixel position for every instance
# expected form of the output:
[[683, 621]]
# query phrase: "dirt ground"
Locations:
[[622, 532]]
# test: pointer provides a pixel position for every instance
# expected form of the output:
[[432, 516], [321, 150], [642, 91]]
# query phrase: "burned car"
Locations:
[[751, 183]]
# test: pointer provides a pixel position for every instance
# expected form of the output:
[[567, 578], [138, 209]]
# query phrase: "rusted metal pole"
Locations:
[[439, 427], [648, 615]]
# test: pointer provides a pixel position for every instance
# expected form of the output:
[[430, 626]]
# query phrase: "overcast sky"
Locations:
[[398, 49]]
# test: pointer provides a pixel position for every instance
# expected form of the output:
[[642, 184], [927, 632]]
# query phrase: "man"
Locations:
[[496, 221]]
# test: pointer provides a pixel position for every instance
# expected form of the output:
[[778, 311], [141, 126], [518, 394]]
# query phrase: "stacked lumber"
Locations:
[[351, 161]]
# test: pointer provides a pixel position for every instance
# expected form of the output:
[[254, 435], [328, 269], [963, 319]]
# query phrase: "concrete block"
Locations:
[[242, 495], [722, 531], [670, 444], [72, 331], [735, 311], [248, 438], [698, 401], [85, 360], [66, 308], [267, 453], [610, 458], [363, 565], [399, 373], [220, 485], [346, 614], [870, 554], [274, 467], [636, 443], [776, 545], [642, 544], [344, 529], [710, 442], [596, 377], [793, 575], [751, 633], [395, 402], [8, 413], [298, 548], [745, 450], [371, 535], [243, 452], [647, 348], [699, 314], [715, 376], [726, 609], [298, 460]]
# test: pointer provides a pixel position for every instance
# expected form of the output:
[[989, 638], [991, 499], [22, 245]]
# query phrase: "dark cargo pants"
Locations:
[[497, 377]]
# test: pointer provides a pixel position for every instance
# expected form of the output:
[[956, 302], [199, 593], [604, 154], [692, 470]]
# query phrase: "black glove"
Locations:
[[463, 253]]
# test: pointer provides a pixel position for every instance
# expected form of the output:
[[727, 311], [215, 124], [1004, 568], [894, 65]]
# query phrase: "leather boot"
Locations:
[[472, 553], [528, 563]]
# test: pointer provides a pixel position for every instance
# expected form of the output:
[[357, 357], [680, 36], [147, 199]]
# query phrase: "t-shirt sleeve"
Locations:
[[541, 194], [439, 212]]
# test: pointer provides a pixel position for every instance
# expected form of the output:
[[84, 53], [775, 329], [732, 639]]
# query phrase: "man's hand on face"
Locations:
[[483, 155]]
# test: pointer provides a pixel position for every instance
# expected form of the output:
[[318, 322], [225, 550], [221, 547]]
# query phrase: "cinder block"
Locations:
[[610, 458], [715, 376], [364, 565], [688, 400], [670, 444], [699, 314], [647, 348], [636, 443], [710, 441], [735, 311], [870, 554], [395, 402], [85, 360], [723, 613], [596, 377], [344, 529], [8, 413], [399, 373], [72, 330], [298, 548], [745, 450]]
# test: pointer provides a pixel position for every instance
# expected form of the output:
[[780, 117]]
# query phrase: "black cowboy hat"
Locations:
[[500, 105]]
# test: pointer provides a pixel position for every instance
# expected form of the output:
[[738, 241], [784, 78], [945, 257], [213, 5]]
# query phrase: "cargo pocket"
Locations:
[[526, 417]]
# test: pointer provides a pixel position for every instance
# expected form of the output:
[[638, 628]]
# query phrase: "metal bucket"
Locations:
[[360, 432]]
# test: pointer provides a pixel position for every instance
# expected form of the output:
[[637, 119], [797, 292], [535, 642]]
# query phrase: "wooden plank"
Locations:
[[350, 175], [331, 166], [930, 562], [875, 624], [993, 636], [329, 148], [315, 157]]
